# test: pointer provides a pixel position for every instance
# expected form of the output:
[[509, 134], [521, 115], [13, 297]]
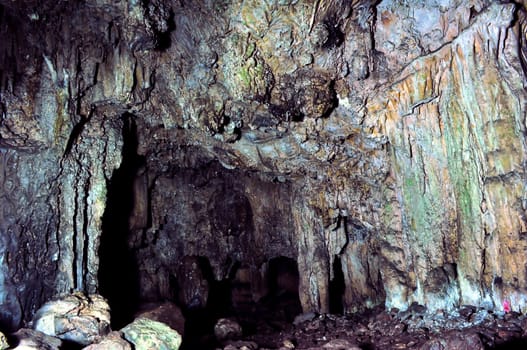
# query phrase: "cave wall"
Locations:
[[387, 134]]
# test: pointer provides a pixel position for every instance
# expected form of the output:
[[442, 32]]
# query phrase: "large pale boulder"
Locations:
[[78, 318]]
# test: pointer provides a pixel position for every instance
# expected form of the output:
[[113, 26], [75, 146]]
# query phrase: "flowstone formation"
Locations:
[[154, 150]]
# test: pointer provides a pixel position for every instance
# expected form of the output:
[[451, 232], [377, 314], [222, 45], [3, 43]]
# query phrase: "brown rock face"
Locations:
[[160, 150]]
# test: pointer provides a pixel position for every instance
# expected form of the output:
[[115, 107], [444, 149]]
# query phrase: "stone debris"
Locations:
[[373, 329], [386, 330], [148, 334], [77, 318]]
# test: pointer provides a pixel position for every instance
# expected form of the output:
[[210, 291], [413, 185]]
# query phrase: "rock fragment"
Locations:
[[227, 329]]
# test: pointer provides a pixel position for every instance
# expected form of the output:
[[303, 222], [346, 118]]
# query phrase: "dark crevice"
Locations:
[[337, 287], [335, 34], [199, 320], [118, 274]]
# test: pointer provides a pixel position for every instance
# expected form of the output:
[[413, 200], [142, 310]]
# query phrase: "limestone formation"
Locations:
[[173, 150]]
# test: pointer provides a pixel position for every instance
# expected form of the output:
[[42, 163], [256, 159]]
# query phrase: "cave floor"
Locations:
[[465, 328]]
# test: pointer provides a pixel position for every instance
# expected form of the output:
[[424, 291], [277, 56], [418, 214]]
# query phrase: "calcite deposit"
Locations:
[[177, 150]]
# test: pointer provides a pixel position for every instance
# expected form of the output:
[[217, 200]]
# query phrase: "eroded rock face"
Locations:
[[381, 144]]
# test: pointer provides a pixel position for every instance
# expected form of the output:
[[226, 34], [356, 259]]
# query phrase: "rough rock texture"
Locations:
[[112, 341], [167, 313], [226, 329], [415, 328], [380, 145], [75, 317], [148, 334], [28, 339]]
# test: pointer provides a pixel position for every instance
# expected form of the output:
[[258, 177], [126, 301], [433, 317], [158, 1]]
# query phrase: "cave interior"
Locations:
[[264, 161]]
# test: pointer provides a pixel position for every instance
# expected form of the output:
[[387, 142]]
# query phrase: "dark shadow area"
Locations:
[[199, 321], [118, 272], [282, 303], [163, 39], [336, 288], [515, 344]]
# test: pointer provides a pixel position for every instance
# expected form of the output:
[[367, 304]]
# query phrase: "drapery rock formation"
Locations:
[[161, 148]]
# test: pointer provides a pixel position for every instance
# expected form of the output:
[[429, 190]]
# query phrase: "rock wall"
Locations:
[[384, 136]]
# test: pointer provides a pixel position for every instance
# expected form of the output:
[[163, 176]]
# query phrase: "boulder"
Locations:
[[227, 329], [149, 334], [113, 341], [3, 342], [76, 317], [29, 339], [167, 313]]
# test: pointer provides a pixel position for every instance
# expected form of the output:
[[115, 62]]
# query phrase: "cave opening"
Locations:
[[118, 272]]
